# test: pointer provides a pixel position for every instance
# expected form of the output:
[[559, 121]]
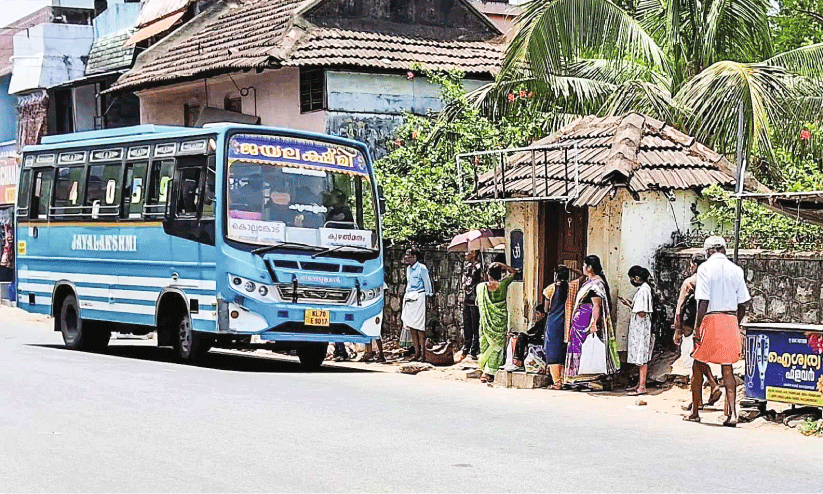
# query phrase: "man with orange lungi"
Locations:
[[722, 298]]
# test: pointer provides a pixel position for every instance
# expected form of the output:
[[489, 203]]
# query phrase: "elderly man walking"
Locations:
[[722, 298]]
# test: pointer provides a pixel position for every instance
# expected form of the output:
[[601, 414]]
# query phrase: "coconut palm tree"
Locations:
[[693, 63]]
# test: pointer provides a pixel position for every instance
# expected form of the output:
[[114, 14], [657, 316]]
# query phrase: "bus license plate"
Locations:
[[316, 317]]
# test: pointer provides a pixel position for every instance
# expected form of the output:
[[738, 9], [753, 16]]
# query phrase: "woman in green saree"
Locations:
[[494, 318]]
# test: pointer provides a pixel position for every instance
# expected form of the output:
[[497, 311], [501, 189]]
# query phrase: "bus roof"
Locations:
[[125, 135]]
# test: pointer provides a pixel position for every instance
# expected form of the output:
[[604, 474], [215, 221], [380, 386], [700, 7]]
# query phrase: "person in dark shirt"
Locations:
[[472, 276]]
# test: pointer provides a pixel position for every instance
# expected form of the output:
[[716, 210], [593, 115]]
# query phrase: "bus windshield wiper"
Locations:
[[338, 247], [269, 248]]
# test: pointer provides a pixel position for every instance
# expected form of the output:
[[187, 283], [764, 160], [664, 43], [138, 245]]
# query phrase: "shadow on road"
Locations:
[[213, 360]]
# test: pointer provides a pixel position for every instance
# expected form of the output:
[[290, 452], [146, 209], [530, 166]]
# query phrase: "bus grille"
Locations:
[[315, 294]]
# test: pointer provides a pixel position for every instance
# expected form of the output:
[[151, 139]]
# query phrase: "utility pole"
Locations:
[[742, 158]]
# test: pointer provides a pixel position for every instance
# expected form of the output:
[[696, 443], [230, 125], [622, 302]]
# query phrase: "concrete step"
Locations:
[[521, 380]]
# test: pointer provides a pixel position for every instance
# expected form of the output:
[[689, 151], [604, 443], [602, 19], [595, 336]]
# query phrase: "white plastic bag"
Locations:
[[592, 356], [535, 362]]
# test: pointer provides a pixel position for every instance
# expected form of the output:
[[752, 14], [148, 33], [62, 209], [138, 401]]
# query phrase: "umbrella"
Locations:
[[476, 240]]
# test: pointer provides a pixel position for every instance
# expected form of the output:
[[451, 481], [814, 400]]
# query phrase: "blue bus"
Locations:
[[229, 236]]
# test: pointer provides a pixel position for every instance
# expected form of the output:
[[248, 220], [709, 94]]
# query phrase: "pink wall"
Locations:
[[278, 100]]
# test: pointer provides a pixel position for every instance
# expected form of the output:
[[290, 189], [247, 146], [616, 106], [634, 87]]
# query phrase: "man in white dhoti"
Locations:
[[418, 287]]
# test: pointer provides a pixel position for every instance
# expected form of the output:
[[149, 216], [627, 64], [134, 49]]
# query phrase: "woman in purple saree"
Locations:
[[592, 314]]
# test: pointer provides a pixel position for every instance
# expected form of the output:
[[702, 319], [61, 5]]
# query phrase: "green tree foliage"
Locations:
[[420, 176], [692, 63], [762, 227], [797, 23]]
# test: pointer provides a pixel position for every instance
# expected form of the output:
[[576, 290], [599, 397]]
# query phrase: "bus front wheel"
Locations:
[[79, 334], [189, 344], [312, 356]]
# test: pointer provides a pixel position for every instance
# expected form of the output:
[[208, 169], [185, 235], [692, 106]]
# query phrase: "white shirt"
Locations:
[[722, 283], [642, 301]]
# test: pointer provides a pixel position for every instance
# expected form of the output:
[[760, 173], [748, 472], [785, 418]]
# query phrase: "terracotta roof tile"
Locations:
[[660, 156], [272, 33]]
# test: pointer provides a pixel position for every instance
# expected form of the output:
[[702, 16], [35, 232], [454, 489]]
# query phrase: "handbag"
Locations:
[[535, 361], [441, 354], [592, 356]]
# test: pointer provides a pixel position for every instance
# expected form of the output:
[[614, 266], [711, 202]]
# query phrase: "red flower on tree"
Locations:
[[398, 143], [805, 135], [512, 97], [414, 135], [410, 75], [531, 94], [522, 93]]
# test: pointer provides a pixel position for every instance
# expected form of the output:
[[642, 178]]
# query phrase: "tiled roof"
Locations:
[[632, 151], [271, 33], [109, 53], [330, 47]]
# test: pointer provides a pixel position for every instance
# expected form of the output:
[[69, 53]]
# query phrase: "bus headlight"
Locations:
[[251, 289], [366, 295]]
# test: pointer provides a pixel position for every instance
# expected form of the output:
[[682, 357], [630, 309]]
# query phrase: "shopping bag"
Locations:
[[592, 356], [535, 361]]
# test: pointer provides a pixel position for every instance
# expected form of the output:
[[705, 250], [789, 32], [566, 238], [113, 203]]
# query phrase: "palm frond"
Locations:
[[552, 34], [736, 30], [714, 97], [616, 73], [642, 97], [805, 61]]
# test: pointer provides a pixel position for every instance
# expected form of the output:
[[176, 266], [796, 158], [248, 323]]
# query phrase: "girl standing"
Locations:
[[554, 345], [641, 340]]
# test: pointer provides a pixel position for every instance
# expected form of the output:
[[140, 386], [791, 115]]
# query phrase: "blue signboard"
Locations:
[[784, 365], [301, 153]]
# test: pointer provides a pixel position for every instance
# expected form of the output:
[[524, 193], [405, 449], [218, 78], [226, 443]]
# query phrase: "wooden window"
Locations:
[[190, 114], [312, 90], [234, 104]]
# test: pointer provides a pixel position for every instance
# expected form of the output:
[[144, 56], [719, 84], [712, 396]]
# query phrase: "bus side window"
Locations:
[[24, 194], [160, 180], [103, 191], [68, 191], [41, 194], [188, 198], [134, 190]]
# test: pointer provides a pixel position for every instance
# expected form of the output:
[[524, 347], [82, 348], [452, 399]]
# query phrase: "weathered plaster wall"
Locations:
[[785, 287], [625, 232], [47, 55], [278, 100], [522, 295], [117, 16]]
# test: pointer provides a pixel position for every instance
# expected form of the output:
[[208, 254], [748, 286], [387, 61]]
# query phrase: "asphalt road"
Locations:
[[132, 420]]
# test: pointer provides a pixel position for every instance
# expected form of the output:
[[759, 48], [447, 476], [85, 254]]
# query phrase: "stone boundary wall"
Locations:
[[785, 287], [445, 318]]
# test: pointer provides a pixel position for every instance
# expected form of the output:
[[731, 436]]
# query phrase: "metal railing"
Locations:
[[572, 182]]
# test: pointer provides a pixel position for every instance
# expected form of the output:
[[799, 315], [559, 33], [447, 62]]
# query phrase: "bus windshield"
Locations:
[[296, 192]]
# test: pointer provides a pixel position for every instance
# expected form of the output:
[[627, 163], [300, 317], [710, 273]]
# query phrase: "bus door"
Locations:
[[191, 212]]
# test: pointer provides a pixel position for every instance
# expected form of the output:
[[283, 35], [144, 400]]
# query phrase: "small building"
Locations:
[[617, 187], [333, 66]]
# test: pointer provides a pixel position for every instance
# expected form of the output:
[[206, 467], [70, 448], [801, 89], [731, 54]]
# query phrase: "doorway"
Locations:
[[564, 235]]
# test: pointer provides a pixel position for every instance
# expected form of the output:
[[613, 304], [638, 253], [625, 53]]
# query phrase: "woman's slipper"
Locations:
[[638, 392], [689, 418], [715, 397]]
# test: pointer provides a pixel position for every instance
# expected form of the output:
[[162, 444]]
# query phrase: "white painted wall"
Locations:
[[625, 232], [48, 55], [278, 100], [384, 93]]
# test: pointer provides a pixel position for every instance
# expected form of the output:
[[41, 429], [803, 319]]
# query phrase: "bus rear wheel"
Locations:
[[312, 356], [189, 344], [79, 334]]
